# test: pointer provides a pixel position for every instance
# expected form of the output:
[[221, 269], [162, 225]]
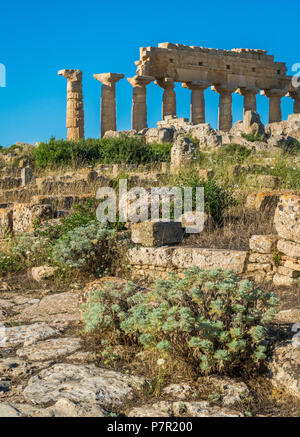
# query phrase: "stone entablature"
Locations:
[[240, 67]]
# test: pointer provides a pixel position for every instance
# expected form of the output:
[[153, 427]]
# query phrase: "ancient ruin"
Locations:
[[243, 71]]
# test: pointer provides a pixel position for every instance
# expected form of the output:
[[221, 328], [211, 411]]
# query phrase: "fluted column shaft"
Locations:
[[169, 96], [225, 106], [275, 96], [197, 106], [75, 113], [108, 100], [139, 101]]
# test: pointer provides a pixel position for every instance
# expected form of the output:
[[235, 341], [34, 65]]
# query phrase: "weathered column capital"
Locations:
[[166, 83], [244, 91], [108, 79], [140, 81], [273, 92], [75, 114], [200, 85], [225, 89], [72, 75]]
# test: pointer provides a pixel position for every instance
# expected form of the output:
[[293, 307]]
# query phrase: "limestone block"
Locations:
[[287, 218], [156, 233], [25, 214], [285, 271], [289, 248], [260, 258], [262, 243], [252, 124], [282, 280], [148, 256], [292, 265], [42, 272], [184, 257], [182, 153], [6, 222]]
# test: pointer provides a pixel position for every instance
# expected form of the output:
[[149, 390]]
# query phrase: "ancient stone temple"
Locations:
[[246, 72], [75, 114], [242, 71]]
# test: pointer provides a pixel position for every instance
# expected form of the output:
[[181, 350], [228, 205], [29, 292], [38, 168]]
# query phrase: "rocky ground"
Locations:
[[46, 369]]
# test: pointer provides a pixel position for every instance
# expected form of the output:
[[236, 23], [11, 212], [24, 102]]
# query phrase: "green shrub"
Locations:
[[252, 137], [217, 199], [208, 320], [130, 150], [88, 247]]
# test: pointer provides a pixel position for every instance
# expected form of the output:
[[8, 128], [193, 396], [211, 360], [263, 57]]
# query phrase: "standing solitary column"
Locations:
[[275, 96], [75, 114], [197, 100], [139, 101], [108, 100], [295, 95], [169, 97], [225, 106], [249, 94]]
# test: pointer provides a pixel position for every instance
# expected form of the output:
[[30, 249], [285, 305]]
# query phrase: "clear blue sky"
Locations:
[[39, 38]]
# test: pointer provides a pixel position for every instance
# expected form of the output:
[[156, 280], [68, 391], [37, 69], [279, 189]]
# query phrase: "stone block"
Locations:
[[6, 222], [285, 271], [25, 214], [289, 248], [148, 256], [282, 280], [287, 218], [156, 234], [185, 257], [262, 243]]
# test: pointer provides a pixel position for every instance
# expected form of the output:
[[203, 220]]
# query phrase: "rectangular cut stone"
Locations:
[[289, 248], [25, 214], [293, 266], [209, 258], [260, 258], [155, 234], [6, 222], [262, 243], [287, 218], [288, 272], [150, 256], [282, 280]]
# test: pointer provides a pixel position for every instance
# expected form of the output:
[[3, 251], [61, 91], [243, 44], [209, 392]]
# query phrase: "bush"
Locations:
[[217, 199], [130, 150], [210, 320], [87, 247]]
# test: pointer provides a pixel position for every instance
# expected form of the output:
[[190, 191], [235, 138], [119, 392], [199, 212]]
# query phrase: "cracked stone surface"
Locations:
[[26, 333], [50, 349], [81, 383]]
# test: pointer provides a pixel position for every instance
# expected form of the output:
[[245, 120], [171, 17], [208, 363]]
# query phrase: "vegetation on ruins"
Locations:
[[130, 150], [210, 321]]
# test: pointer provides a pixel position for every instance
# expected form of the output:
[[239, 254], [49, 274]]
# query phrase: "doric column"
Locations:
[[108, 100], [225, 106], [197, 100], [295, 95], [75, 114], [139, 101], [169, 97], [275, 96], [249, 94]]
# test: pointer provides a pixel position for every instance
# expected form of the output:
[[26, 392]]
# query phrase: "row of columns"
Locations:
[[75, 117]]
